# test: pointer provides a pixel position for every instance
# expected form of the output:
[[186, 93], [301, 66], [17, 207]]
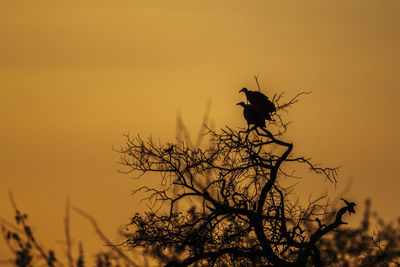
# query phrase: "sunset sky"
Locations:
[[75, 76]]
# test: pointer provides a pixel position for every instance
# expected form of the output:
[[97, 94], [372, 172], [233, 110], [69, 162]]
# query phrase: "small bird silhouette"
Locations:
[[350, 205], [169, 150]]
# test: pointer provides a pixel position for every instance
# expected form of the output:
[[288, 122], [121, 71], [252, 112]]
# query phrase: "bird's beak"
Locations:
[[241, 90]]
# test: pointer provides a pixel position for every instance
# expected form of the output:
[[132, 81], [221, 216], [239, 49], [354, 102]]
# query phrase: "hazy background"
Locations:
[[75, 77]]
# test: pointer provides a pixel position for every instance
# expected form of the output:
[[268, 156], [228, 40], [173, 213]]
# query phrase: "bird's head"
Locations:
[[244, 89], [241, 104]]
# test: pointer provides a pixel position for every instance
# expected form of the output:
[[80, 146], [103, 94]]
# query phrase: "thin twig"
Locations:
[[258, 85], [67, 233], [103, 237]]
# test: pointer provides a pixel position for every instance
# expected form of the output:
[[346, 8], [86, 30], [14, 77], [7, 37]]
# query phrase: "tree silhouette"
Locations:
[[239, 210], [227, 203]]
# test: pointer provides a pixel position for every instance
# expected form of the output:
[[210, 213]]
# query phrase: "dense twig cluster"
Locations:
[[240, 211]]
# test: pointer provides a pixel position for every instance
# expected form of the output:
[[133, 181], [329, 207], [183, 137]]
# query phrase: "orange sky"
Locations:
[[74, 77]]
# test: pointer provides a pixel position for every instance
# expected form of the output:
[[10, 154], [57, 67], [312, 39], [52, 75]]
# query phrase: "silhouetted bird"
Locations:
[[253, 114], [350, 205], [169, 150], [260, 100]]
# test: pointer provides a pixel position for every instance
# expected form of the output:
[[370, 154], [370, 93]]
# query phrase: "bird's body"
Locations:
[[253, 114], [350, 206], [260, 100], [169, 150]]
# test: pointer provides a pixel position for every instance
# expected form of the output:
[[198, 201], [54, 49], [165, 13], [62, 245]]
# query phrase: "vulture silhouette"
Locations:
[[253, 114], [350, 206], [260, 100]]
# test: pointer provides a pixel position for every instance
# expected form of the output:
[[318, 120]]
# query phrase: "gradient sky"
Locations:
[[75, 77]]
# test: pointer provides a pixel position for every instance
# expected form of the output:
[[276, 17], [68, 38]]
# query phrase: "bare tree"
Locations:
[[235, 209], [239, 212]]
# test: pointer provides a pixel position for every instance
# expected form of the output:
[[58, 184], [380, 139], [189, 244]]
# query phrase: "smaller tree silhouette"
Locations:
[[363, 246], [239, 212]]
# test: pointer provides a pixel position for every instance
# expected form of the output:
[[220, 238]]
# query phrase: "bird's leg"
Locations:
[[247, 133]]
